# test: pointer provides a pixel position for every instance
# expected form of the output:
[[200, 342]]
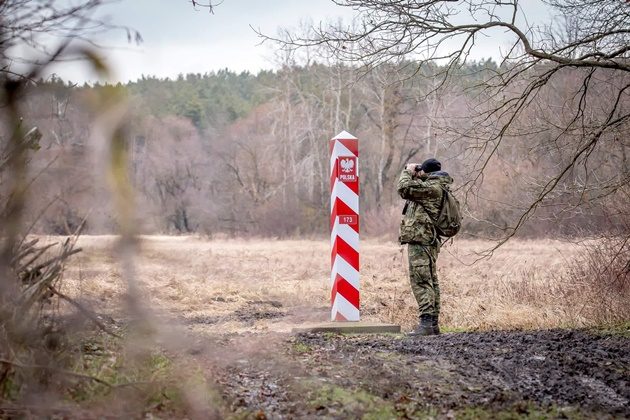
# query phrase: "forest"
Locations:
[[247, 155]]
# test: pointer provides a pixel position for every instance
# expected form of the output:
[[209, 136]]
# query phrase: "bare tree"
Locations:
[[588, 38], [209, 5]]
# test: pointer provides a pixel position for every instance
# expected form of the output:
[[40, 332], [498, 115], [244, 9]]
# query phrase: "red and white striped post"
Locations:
[[344, 227]]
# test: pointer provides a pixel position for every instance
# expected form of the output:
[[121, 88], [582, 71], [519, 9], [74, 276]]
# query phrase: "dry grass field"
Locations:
[[271, 285], [212, 339]]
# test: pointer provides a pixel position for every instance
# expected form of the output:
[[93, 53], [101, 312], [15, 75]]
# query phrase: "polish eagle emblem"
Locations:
[[347, 165]]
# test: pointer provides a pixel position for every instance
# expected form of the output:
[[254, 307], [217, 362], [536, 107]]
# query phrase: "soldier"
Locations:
[[421, 186]]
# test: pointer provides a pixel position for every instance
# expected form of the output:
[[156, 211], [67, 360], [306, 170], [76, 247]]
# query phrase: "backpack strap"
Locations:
[[404, 210], [442, 201]]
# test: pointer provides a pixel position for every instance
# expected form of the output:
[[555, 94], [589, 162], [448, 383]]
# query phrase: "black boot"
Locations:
[[435, 324], [425, 327]]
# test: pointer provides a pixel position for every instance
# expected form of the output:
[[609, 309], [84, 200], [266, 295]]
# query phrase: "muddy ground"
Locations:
[[539, 374]]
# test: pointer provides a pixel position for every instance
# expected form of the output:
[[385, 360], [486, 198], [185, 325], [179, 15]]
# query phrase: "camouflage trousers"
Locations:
[[423, 277]]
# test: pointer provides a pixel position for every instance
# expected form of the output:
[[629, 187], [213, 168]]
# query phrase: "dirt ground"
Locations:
[[512, 346], [541, 374]]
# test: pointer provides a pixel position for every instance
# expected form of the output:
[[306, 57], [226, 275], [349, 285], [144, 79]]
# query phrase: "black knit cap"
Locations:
[[431, 165]]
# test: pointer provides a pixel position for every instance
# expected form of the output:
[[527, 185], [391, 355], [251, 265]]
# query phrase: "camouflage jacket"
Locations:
[[424, 196]]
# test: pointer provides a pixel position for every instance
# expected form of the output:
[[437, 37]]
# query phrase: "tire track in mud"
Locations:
[[323, 375], [548, 367]]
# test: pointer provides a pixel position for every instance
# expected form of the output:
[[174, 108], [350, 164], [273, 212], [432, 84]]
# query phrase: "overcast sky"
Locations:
[[179, 39]]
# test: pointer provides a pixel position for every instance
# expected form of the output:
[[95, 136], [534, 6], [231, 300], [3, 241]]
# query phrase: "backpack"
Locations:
[[449, 219]]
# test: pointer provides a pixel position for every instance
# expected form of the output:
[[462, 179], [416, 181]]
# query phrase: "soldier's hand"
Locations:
[[411, 167]]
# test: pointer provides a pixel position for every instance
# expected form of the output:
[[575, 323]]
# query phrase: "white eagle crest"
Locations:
[[347, 165]]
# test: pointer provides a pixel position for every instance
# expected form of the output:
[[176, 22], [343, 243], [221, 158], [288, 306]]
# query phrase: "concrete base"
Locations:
[[360, 327]]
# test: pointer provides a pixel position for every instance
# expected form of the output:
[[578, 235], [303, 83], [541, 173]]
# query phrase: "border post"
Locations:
[[344, 227]]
